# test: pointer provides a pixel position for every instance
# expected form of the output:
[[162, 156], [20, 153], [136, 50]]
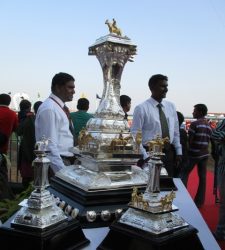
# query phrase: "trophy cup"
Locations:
[[106, 149], [40, 224]]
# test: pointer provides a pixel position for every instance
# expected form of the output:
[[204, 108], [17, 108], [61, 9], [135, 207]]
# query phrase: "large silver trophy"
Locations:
[[106, 149], [39, 211], [153, 211]]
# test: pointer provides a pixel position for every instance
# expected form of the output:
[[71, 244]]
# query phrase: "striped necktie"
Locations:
[[66, 110], [163, 121]]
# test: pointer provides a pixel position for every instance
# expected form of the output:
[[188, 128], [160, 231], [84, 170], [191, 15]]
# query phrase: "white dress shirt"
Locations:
[[146, 119], [52, 122]]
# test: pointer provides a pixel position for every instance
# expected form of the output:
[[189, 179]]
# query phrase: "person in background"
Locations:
[[146, 118], [184, 144], [218, 135], [215, 155], [125, 102], [199, 134], [80, 117], [25, 110], [26, 131], [53, 122], [8, 125]]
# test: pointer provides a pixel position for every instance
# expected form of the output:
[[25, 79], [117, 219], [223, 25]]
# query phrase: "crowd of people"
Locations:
[[183, 150]]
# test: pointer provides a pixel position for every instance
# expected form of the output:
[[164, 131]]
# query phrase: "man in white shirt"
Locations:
[[52, 121], [146, 118]]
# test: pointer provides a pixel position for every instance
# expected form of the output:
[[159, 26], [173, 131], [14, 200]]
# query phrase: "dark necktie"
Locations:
[[163, 121], [66, 110]]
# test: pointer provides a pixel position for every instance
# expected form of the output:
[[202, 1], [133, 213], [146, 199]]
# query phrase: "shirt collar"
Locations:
[[57, 99], [155, 103]]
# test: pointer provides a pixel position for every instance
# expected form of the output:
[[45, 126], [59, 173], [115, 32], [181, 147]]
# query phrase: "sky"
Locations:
[[183, 39]]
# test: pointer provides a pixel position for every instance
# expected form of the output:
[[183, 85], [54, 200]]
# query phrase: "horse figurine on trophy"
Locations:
[[113, 27]]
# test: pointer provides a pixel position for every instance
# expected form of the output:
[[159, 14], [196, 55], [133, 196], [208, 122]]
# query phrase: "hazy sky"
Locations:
[[183, 39]]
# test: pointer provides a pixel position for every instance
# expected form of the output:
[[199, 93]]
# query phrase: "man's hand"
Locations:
[[141, 162]]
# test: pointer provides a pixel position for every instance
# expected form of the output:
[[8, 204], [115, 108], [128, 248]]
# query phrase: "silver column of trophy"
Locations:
[[39, 211], [153, 211], [155, 164]]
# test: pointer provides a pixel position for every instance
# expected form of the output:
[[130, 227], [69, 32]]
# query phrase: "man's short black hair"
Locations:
[[36, 106], [61, 79], [201, 108], [83, 104], [153, 81], [25, 105], [5, 99], [124, 100]]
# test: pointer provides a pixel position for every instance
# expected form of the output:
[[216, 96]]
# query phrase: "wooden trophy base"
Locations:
[[121, 237], [67, 235]]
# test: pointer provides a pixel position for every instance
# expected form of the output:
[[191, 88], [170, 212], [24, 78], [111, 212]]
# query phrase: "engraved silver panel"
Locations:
[[152, 223], [93, 181]]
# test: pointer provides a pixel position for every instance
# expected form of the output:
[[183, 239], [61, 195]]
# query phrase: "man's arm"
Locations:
[[176, 140], [46, 125], [137, 124], [219, 132]]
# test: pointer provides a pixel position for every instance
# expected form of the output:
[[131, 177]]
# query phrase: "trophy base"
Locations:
[[67, 235], [122, 237], [112, 201]]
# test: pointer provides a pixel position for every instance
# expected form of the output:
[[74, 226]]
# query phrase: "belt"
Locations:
[[67, 157]]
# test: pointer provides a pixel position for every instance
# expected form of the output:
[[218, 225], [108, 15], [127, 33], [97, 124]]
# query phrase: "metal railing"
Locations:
[[13, 172]]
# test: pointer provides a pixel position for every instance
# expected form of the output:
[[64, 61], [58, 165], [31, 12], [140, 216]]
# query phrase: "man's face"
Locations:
[[66, 92], [195, 113], [127, 107], [160, 90]]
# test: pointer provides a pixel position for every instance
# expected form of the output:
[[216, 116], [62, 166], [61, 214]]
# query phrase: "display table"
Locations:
[[187, 210]]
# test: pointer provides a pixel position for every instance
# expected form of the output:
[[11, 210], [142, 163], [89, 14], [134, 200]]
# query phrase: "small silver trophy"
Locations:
[[153, 210], [39, 211]]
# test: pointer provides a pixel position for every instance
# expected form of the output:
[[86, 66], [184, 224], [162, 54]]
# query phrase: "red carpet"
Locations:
[[210, 209]]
